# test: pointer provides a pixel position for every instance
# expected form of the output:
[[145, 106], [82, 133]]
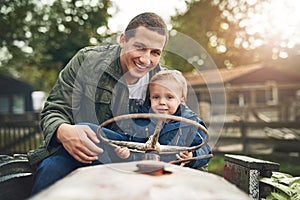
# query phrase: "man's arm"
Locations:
[[80, 141], [57, 120]]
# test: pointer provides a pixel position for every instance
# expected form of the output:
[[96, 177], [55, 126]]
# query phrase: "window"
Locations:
[[4, 104], [18, 103]]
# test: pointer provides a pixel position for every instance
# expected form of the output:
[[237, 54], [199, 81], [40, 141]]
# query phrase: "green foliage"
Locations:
[[284, 186], [227, 30], [38, 39], [195, 23], [216, 165], [15, 30]]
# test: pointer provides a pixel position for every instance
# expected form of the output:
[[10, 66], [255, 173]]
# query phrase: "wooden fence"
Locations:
[[20, 133], [257, 137]]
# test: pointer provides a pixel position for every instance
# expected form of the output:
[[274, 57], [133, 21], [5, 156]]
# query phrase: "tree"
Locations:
[[196, 22], [240, 32], [39, 39], [14, 32]]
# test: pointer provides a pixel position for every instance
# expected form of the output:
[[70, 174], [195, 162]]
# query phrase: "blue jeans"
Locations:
[[61, 163], [53, 168]]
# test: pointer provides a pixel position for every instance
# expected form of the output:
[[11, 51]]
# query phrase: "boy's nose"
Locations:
[[162, 101]]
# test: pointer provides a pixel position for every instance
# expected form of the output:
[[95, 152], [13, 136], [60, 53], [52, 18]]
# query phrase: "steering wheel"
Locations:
[[152, 143]]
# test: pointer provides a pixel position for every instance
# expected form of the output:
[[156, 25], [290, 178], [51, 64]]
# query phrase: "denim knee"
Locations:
[[54, 168]]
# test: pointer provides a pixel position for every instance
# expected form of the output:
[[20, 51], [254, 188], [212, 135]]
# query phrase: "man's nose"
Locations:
[[145, 58]]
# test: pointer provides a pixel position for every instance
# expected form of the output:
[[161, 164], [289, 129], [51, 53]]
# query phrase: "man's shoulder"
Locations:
[[93, 60], [103, 55], [111, 48]]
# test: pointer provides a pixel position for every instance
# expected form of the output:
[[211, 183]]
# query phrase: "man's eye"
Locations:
[[139, 47]]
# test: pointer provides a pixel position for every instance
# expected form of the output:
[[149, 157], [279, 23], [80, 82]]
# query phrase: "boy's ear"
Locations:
[[183, 100]]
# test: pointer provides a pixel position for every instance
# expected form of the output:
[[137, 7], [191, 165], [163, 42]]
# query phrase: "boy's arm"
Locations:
[[204, 150]]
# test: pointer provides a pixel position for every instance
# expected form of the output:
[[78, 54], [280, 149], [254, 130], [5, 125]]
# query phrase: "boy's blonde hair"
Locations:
[[171, 75]]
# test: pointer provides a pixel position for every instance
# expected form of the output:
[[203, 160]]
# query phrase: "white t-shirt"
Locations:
[[139, 89]]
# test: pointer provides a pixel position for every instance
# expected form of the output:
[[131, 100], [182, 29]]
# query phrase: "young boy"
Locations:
[[168, 93]]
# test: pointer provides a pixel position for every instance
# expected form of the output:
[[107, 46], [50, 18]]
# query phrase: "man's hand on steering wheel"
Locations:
[[80, 141]]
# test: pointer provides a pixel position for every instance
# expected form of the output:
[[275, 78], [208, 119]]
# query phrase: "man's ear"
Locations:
[[122, 40]]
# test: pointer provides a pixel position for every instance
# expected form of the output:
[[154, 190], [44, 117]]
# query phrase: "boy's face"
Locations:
[[165, 97], [141, 53]]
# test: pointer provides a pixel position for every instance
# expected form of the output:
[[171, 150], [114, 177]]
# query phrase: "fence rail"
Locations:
[[255, 137], [19, 133]]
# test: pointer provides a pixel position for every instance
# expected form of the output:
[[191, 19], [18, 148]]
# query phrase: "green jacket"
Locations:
[[90, 88]]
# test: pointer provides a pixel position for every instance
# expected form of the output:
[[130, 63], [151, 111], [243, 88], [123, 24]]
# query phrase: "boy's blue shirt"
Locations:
[[173, 133]]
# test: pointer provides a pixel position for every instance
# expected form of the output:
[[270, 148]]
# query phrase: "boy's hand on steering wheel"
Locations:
[[184, 155], [122, 152]]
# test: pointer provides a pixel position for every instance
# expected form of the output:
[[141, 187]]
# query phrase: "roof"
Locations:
[[12, 85], [240, 74]]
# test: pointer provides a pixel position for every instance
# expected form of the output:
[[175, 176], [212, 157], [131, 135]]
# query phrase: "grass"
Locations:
[[216, 165]]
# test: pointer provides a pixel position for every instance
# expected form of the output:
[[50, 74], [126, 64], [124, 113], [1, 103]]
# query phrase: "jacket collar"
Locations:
[[114, 67]]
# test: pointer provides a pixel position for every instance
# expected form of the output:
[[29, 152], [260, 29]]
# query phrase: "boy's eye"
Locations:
[[154, 97], [157, 53]]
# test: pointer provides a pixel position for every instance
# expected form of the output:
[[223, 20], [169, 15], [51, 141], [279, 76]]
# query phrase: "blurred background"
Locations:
[[254, 45]]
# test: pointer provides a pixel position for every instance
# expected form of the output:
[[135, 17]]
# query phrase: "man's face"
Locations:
[[165, 97], [141, 53]]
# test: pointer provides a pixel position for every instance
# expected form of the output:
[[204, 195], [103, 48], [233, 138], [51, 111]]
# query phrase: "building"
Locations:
[[254, 92], [15, 96]]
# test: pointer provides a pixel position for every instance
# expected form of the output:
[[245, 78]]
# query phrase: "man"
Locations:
[[97, 84]]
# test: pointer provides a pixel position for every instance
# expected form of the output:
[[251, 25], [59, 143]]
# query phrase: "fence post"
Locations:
[[243, 130], [245, 172]]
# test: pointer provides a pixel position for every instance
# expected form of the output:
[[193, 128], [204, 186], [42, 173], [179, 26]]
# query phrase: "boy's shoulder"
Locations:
[[188, 113]]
